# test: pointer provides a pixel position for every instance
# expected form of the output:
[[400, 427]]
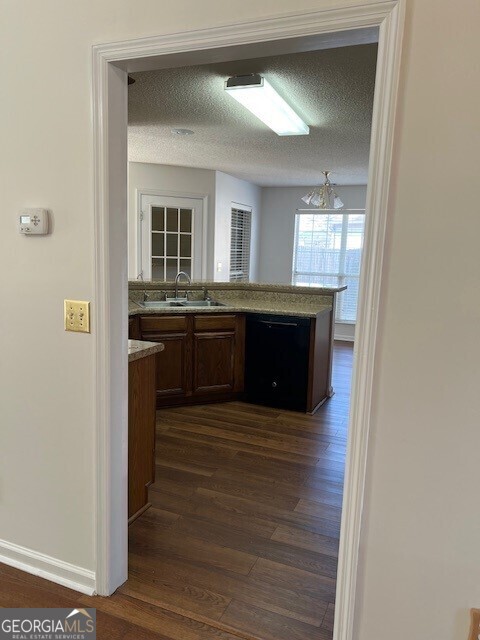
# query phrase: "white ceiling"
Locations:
[[331, 89]]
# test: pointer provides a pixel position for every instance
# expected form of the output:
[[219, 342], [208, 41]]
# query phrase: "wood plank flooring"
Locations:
[[242, 538]]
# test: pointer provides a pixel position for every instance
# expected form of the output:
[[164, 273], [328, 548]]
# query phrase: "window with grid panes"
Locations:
[[240, 237], [171, 242], [328, 253]]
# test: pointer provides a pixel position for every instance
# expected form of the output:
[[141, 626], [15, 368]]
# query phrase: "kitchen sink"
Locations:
[[202, 303], [165, 304], [160, 304]]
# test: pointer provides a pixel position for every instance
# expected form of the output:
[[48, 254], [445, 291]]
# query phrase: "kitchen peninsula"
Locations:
[[267, 344]]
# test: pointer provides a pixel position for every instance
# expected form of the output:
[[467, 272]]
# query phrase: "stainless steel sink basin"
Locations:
[[202, 303], [165, 304], [159, 304]]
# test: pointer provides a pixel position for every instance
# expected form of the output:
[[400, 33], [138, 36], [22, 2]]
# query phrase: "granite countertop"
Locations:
[[234, 286], [281, 308], [286, 300], [138, 349]]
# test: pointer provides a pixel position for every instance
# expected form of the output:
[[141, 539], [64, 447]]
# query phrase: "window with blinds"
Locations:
[[240, 245], [328, 253]]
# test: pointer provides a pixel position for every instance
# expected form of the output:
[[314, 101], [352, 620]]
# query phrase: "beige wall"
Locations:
[[420, 566]]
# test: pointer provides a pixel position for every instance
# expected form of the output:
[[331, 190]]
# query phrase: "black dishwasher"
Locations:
[[276, 361]]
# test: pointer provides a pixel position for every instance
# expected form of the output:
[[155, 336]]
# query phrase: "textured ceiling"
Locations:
[[331, 89]]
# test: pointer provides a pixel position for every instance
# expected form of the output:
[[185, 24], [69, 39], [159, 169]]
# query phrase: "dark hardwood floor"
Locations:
[[242, 537]]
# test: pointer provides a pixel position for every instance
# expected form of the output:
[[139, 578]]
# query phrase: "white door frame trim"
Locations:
[[110, 63]]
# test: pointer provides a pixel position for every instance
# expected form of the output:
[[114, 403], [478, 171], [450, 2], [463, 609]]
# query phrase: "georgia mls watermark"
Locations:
[[48, 624]]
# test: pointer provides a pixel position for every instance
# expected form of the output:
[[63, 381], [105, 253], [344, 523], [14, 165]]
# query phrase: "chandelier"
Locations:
[[324, 197]]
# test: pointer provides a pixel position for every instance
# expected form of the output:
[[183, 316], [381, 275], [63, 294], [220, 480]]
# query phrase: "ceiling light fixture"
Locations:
[[256, 94], [324, 197]]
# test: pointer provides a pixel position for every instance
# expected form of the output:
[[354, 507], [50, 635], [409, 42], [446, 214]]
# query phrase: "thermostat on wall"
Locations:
[[34, 222]]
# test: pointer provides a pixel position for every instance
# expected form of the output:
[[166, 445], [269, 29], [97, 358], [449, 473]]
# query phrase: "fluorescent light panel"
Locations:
[[260, 98]]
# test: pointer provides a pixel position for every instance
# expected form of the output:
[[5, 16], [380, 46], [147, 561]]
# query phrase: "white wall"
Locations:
[[183, 180], [420, 563], [230, 190]]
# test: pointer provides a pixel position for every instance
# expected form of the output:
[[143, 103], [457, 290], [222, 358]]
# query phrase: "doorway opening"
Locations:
[[245, 499], [109, 78]]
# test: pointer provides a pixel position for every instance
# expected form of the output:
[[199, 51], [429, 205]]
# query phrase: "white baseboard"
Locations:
[[64, 573]]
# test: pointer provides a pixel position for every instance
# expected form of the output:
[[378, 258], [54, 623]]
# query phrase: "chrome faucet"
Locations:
[[177, 278], [145, 294]]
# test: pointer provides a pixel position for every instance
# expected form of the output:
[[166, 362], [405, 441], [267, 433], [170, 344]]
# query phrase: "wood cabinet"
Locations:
[[218, 354], [213, 362], [173, 369], [141, 433], [203, 360], [283, 361], [134, 328], [174, 365]]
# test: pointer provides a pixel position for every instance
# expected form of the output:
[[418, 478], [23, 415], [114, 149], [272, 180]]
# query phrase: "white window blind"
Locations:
[[240, 245], [328, 253]]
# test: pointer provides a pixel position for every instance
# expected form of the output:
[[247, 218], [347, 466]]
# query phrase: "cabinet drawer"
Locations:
[[214, 322], [155, 324]]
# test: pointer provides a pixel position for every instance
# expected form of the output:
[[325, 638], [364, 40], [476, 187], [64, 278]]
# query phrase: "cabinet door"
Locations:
[[173, 365], [213, 362], [174, 368], [134, 328]]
